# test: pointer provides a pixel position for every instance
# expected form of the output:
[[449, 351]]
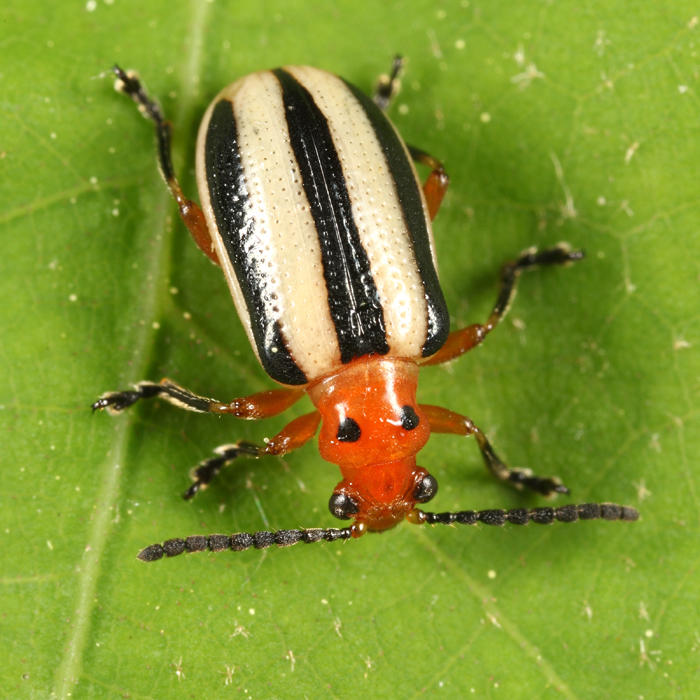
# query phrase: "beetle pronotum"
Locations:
[[312, 206]]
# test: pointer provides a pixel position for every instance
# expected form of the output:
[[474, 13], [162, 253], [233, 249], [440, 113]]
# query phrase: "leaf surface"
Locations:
[[556, 122]]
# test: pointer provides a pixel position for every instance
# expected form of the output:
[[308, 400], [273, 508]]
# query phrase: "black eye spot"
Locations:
[[342, 506], [348, 431], [409, 419], [426, 489]]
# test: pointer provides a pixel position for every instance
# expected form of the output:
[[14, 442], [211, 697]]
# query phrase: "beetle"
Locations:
[[312, 206]]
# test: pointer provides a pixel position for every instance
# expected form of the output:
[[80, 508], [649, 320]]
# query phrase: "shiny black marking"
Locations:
[[352, 295], [410, 200], [342, 506], [409, 418], [348, 431], [426, 489], [229, 196]]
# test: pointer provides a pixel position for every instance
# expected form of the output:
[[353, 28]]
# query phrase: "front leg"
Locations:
[[442, 420], [459, 342]]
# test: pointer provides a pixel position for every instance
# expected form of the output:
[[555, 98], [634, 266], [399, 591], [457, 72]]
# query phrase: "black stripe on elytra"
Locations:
[[409, 197], [228, 194], [353, 300]]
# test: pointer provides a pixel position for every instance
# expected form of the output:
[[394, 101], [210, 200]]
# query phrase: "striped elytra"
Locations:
[[319, 222]]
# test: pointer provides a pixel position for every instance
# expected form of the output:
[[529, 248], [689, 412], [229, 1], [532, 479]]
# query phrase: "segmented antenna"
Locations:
[[286, 538], [242, 540], [542, 516]]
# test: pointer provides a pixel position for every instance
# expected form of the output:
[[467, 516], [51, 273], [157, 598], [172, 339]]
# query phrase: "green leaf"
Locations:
[[556, 121]]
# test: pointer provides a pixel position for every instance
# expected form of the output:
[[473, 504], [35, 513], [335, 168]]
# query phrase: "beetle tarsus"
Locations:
[[546, 485], [206, 471], [117, 401], [444, 421], [387, 86], [560, 254]]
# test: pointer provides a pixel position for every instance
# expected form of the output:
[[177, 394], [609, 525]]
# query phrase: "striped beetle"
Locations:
[[311, 205]]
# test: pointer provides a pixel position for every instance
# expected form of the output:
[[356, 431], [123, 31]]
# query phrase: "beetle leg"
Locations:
[[460, 341], [435, 187], [292, 436], [442, 420], [261, 405], [190, 212], [387, 86]]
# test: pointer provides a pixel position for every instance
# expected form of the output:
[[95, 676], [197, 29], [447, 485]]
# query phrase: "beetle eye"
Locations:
[[426, 489], [348, 430], [409, 418], [342, 506]]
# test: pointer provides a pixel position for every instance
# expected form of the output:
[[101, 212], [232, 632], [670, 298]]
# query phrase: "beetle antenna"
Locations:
[[243, 540], [542, 516]]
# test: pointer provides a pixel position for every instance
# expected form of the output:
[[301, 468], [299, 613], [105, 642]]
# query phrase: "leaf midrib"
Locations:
[[88, 570]]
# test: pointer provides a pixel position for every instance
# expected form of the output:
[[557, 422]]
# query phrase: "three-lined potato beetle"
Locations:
[[311, 205]]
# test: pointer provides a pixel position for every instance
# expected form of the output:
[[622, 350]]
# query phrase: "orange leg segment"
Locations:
[[261, 405], [193, 217], [442, 420], [435, 187], [295, 434]]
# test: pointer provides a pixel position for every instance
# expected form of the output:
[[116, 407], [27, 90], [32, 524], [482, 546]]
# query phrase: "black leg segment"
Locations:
[[388, 85], [129, 84], [424, 158], [117, 401], [559, 255], [206, 471]]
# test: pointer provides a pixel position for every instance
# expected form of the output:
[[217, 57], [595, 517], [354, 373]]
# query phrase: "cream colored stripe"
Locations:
[[376, 210], [285, 243]]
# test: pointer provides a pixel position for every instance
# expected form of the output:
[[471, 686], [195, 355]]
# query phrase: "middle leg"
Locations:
[[460, 341]]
